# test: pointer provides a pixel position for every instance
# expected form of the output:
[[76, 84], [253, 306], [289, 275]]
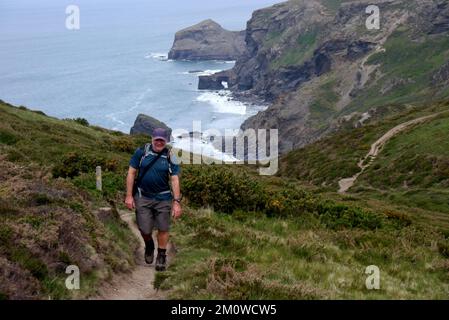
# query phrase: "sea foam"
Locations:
[[222, 102]]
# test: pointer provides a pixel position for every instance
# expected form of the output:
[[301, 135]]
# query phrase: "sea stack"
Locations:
[[207, 40], [145, 125]]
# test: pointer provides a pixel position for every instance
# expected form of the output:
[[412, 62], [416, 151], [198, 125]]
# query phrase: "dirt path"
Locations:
[[376, 147], [137, 285]]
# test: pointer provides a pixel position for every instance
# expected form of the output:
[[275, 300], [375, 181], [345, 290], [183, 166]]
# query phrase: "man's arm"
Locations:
[[177, 211], [175, 187], [129, 188]]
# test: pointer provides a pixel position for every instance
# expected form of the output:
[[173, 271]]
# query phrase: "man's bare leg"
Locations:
[[162, 239]]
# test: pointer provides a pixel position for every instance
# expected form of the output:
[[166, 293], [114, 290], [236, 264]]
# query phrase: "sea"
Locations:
[[114, 66]]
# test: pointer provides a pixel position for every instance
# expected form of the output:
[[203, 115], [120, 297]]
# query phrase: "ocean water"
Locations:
[[115, 66]]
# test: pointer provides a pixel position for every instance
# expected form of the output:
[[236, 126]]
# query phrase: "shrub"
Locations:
[[399, 218], [228, 191], [8, 138], [24, 257], [40, 199], [336, 216], [15, 156], [39, 112], [222, 189], [124, 144], [443, 248], [73, 164], [82, 121], [6, 234]]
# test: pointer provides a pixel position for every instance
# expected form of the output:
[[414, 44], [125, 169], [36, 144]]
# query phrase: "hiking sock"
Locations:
[[149, 246], [161, 260]]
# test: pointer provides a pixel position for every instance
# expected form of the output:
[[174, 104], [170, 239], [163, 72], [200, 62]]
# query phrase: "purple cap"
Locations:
[[160, 133]]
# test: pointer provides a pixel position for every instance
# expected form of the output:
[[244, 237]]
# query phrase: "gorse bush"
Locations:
[[222, 189], [228, 191], [124, 144], [337, 216], [74, 163], [82, 121]]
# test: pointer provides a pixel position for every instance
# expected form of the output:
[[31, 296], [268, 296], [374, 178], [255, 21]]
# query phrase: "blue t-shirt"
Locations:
[[156, 179]]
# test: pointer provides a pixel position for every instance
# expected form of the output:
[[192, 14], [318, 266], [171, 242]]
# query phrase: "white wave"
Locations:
[[201, 72], [224, 61], [222, 102], [157, 56], [208, 72], [202, 147]]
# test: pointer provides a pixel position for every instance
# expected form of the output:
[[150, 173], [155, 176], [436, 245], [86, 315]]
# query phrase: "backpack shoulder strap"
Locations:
[[146, 149], [168, 153]]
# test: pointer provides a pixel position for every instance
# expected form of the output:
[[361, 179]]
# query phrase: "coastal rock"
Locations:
[[207, 40], [314, 62], [145, 125], [217, 81]]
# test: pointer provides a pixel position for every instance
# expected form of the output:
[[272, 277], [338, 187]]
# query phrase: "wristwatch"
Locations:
[[178, 200]]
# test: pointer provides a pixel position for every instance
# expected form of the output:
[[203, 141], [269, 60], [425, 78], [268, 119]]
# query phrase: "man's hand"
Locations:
[[176, 210], [129, 201]]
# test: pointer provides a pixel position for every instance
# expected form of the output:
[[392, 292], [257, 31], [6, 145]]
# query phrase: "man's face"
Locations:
[[158, 144]]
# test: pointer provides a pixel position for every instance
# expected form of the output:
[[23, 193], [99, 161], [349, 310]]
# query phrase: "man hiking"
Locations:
[[149, 193]]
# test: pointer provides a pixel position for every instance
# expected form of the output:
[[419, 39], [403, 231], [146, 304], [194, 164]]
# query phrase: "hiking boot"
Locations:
[[161, 262], [149, 254]]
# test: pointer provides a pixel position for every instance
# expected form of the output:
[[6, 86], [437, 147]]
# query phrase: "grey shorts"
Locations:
[[152, 213]]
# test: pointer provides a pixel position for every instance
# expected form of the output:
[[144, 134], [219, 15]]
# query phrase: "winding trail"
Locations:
[[346, 183], [137, 285]]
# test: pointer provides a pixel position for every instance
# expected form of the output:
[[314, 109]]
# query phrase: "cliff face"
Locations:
[[318, 64], [207, 41]]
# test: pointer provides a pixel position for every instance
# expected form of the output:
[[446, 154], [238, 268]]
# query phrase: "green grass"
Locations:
[[413, 168], [37, 202], [298, 54], [323, 107], [268, 237], [282, 258], [26, 133], [325, 162]]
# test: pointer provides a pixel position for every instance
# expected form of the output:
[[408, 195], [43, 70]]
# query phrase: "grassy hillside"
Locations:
[[413, 168], [48, 223], [255, 257], [411, 171], [325, 162], [281, 241], [242, 236]]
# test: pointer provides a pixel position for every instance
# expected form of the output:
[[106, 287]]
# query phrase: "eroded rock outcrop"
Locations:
[[145, 125], [207, 40]]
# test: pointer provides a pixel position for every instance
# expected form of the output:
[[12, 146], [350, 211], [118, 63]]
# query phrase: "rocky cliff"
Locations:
[[318, 65], [207, 41]]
